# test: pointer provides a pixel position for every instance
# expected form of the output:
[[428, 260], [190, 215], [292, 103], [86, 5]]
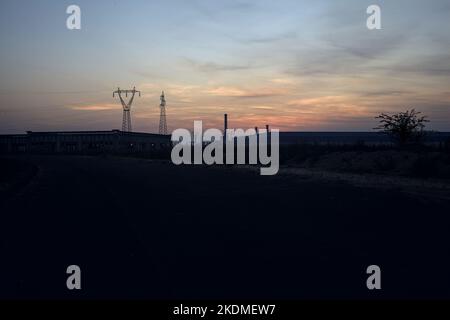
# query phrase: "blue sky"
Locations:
[[298, 65]]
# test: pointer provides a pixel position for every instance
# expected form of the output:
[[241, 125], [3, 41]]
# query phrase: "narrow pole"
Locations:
[[225, 126]]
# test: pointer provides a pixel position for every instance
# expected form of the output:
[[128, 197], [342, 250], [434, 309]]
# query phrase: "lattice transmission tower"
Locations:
[[126, 120], [162, 116]]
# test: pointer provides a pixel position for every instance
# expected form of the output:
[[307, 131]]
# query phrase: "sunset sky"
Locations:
[[296, 65]]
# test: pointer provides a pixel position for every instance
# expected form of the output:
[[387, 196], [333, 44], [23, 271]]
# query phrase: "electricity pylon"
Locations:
[[162, 117], [126, 120]]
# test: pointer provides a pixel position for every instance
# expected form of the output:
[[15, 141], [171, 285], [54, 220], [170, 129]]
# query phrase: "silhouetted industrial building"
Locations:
[[84, 142], [120, 142], [346, 138]]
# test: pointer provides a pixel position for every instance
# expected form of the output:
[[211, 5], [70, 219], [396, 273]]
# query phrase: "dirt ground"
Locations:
[[149, 229]]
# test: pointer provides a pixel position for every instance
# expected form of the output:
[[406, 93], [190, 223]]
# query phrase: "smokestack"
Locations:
[[267, 128], [225, 126]]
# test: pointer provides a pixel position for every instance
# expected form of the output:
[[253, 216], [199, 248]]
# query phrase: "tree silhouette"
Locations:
[[404, 127]]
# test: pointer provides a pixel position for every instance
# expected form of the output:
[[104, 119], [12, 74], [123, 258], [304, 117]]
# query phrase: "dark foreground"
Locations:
[[140, 229]]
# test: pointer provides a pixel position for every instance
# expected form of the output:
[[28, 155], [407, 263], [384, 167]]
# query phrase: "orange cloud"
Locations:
[[244, 93], [285, 81], [97, 107], [329, 105]]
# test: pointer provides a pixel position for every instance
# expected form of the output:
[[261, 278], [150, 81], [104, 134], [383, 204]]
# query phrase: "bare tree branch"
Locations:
[[405, 127]]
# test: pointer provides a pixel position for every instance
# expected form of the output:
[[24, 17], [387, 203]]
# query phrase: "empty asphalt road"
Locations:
[[142, 229]]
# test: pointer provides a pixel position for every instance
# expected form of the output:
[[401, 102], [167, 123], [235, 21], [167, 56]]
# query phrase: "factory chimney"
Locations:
[[225, 126]]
